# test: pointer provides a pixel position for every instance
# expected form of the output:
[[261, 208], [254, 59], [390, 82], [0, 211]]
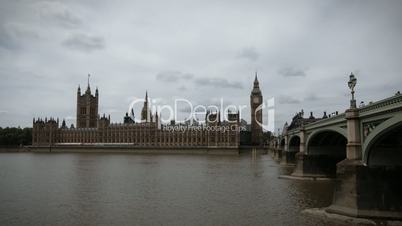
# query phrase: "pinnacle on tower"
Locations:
[[132, 113], [256, 87], [256, 83], [88, 87]]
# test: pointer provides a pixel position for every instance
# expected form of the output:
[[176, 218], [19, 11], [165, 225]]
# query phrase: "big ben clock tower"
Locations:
[[256, 114]]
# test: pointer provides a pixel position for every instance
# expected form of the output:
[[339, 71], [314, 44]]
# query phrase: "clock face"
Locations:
[[256, 100]]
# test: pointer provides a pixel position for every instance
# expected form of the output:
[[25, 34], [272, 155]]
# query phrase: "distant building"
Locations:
[[298, 120], [95, 129]]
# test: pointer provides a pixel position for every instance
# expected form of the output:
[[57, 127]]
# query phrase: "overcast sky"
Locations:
[[200, 50]]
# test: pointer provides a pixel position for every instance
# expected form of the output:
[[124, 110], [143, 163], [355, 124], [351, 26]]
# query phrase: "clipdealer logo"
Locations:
[[198, 116]]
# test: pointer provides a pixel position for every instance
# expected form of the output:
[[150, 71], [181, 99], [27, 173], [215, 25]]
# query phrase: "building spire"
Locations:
[[256, 83], [145, 111], [256, 87], [132, 113], [88, 87]]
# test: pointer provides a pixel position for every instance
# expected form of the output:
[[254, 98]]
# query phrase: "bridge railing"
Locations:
[[390, 103], [385, 104]]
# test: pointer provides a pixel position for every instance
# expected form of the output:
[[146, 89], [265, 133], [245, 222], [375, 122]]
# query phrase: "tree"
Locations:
[[15, 136]]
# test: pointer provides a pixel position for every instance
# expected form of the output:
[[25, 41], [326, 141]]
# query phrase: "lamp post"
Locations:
[[353, 147], [352, 83]]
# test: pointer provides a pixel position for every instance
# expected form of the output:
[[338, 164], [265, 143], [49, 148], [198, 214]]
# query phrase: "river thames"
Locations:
[[127, 189]]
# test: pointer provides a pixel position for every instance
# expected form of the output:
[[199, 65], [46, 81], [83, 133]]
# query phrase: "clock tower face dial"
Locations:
[[256, 100]]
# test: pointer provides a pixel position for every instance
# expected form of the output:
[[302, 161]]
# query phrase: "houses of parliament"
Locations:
[[92, 129]]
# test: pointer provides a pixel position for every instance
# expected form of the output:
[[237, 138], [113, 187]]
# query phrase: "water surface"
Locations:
[[128, 189]]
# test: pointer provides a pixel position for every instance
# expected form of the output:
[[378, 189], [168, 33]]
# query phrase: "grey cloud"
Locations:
[[311, 97], [67, 20], [7, 41], [263, 36], [218, 83], [58, 13], [9, 37], [173, 76], [12, 35], [291, 72], [85, 43], [249, 53], [182, 88], [287, 100]]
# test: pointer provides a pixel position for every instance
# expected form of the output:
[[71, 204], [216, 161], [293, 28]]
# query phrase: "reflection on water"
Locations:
[[124, 189]]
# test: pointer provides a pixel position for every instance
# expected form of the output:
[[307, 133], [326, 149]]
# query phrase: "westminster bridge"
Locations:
[[361, 148]]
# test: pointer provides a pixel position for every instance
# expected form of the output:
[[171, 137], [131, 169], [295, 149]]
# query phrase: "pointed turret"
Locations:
[[145, 111], [256, 87], [63, 124], [132, 114], [156, 116], [256, 79], [88, 87]]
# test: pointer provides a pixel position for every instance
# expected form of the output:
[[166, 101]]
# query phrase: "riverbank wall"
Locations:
[[134, 149]]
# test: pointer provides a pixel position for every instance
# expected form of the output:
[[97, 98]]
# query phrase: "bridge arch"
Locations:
[[337, 130], [334, 131], [383, 146], [325, 148], [282, 144], [293, 148], [294, 143]]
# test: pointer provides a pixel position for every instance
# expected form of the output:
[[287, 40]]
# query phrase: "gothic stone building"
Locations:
[[93, 129]]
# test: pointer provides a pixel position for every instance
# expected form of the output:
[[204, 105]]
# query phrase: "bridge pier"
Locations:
[[273, 152], [288, 158], [283, 160], [278, 155], [363, 190], [367, 192], [315, 166]]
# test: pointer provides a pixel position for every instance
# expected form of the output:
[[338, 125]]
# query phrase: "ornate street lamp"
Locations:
[[352, 83]]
